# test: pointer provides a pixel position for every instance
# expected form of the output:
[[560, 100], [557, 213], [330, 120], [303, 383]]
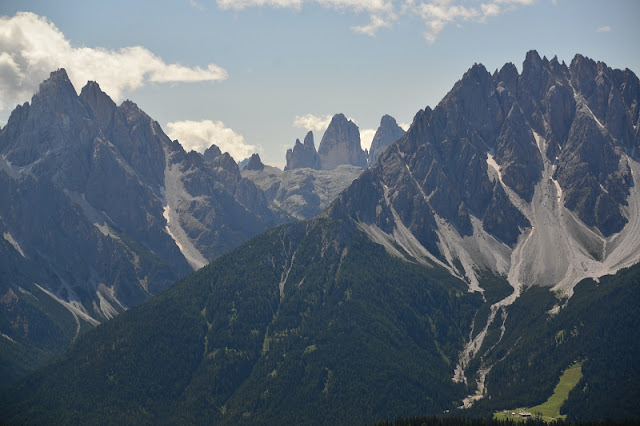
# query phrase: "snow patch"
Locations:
[[7, 236]]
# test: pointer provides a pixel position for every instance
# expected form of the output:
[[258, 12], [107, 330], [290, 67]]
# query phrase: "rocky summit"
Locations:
[[387, 133], [303, 155], [341, 145], [255, 163], [99, 209]]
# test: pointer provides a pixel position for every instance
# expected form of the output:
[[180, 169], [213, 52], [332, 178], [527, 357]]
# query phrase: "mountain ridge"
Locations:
[[107, 209], [420, 279]]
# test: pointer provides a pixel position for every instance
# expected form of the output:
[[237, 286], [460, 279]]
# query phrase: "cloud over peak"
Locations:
[[200, 135], [32, 46], [312, 122]]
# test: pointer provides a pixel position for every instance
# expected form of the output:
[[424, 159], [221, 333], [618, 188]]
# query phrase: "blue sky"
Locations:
[[254, 75]]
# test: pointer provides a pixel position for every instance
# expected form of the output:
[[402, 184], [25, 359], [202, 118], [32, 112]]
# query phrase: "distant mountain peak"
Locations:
[[308, 140], [56, 93], [303, 155], [212, 153], [341, 144], [101, 105], [59, 78], [387, 133], [255, 163]]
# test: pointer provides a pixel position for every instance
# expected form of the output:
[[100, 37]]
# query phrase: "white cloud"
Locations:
[[311, 122], [404, 126], [200, 135], [32, 47], [603, 29], [436, 14], [196, 5], [366, 137], [372, 28], [381, 12], [355, 5]]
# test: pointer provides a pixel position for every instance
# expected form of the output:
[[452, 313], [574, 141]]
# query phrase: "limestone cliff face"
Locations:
[[303, 155], [387, 133], [341, 145]]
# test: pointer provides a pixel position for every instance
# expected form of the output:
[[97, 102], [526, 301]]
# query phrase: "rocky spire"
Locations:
[[254, 163], [341, 145], [387, 133], [303, 155]]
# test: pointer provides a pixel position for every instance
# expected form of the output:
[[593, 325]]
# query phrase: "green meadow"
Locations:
[[550, 409]]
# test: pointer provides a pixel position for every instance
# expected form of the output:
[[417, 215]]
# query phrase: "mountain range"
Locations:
[[491, 247], [310, 182], [99, 209], [115, 212]]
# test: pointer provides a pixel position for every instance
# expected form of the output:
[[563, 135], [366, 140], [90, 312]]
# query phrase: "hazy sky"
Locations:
[[254, 75]]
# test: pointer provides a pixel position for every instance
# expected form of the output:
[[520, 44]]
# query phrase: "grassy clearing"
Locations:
[[549, 410]]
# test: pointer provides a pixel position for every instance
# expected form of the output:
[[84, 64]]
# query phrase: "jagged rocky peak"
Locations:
[[220, 160], [47, 124], [507, 78], [132, 112], [58, 82], [227, 163], [308, 141], [100, 106], [518, 154], [471, 110], [95, 98], [499, 148], [212, 153], [57, 99], [254, 163], [303, 155], [341, 144], [387, 133]]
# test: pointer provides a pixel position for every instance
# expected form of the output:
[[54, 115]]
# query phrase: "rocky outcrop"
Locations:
[[387, 133], [341, 145], [254, 163], [303, 155]]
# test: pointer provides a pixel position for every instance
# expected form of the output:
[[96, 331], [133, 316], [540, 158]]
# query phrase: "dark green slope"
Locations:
[[357, 336], [599, 325], [35, 327]]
